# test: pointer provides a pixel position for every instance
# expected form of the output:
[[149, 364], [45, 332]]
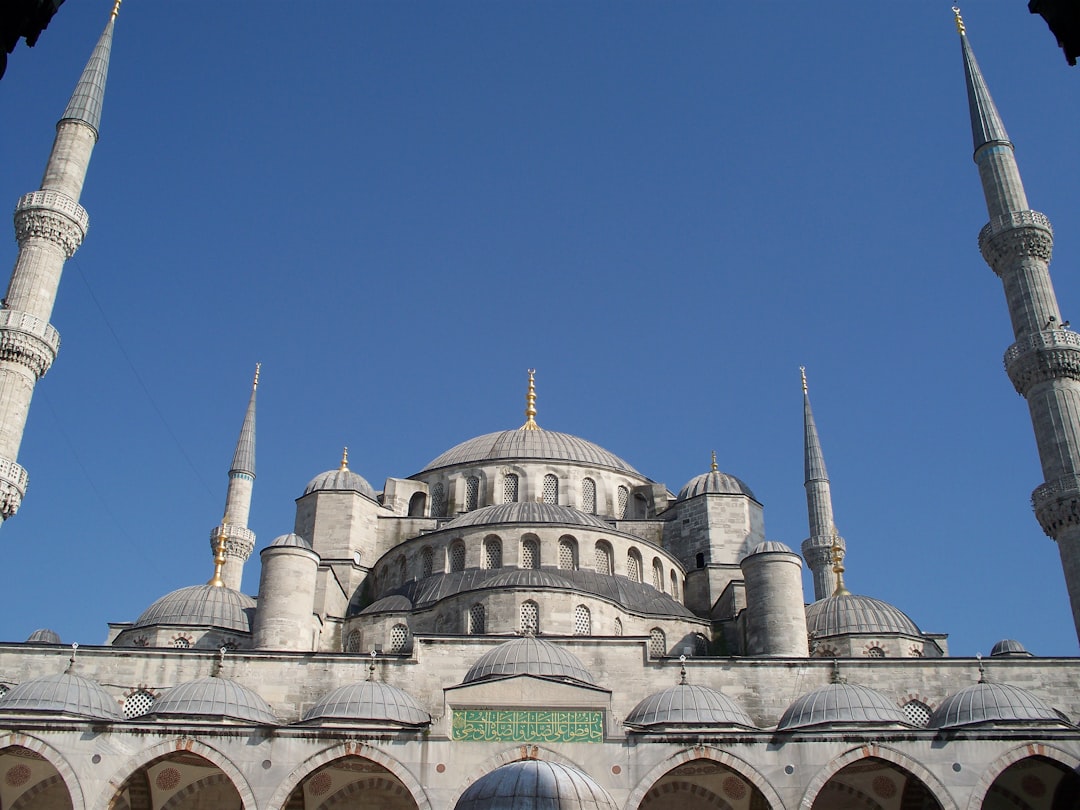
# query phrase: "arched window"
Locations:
[[417, 504], [603, 558], [457, 556], [182, 643], [623, 502], [472, 493], [674, 585], [438, 500], [641, 506], [476, 620], [701, 644], [582, 621], [588, 496], [568, 553], [530, 618], [427, 561], [875, 652], [657, 643], [138, 703], [618, 627], [352, 642], [492, 552], [510, 488], [658, 574], [402, 569], [699, 560], [551, 489], [633, 565], [530, 552], [399, 638], [917, 713]]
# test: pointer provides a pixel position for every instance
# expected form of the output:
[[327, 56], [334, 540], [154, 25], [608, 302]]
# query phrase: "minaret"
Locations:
[[49, 226], [1044, 361], [817, 549], [239, 539]]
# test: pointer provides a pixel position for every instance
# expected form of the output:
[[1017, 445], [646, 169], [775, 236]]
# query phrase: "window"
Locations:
[[472, 493], [4, 689], [181, 643], [701, 644], [399, 638], [623, 502], [138, 703], [427, 561], [438, 500], [917, 713], [641, 507], [875, 652], [603, 558], [417, 504], [633, 565], [476, 620], [510, 488], [582, 621], [551, 489], [657, 643], [568, 554], [352, 642], [492, 552], [457, 556], [530, 618], [618, 627], [588, 496], [699, 560], [530, 553], [674, 586], [658, 574]]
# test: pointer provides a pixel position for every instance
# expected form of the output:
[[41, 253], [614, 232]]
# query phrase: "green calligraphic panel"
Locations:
[[501, 725]]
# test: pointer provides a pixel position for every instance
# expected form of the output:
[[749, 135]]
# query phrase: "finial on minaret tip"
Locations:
[[959, 21], [219, 558], [714, 467], [344, 459], [255, 382], [115, 9], [802, 371], [838, 564], [530, 404]]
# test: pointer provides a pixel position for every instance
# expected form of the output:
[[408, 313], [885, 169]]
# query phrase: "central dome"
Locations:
[[543, 444]]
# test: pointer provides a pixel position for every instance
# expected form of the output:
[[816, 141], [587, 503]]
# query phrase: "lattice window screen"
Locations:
[[551, 489], [917, 713], [657, 643], [182, 643], [399, 638], [476, 620], [457, 557], [472, 492], [657, 575], [492, 553], [438, 500], [352, 642], [624, 501], [582, 621], [603, 559], [530, 554], [674, 585], [633, 568], [875, 652], [618, 627], [567, 555], [510, 488], [138, 703], [701, 644], [588, 496], [427, 561], [530, 618]]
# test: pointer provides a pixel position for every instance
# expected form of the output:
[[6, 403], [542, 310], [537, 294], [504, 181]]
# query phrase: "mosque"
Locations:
[[530, 622]]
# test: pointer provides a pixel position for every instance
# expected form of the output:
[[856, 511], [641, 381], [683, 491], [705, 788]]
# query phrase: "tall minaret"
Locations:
[[1044, 362], [239, 539], [817, 549], [49, 226]]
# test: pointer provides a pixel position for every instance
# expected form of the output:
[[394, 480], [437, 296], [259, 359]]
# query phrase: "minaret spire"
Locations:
[[1044, 361], [818, 548], [239, 540], [530, 404], [49, 226]]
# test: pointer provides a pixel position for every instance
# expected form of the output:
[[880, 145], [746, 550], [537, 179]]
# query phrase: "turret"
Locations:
[[283, 618], [1044, 361], [775, 620], [817, 548], [49, 226]]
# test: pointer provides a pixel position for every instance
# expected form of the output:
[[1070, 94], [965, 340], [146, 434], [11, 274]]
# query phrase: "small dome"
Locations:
[[44, 636], [340, 481], [991, 703], [535, 785], [1009, 648], [213, 697], [714, 483], [527, 578], [527, 512], [290, 541], [369, 701], [841, 703], [850, 613], [688, 705], [528, 656], [770, 547], [201, 606], [507, 445], [61, 694], [395, 603]]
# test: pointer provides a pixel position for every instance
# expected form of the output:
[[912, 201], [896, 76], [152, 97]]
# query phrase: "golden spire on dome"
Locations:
[[115, 9], [344, 459], [530, 404], [802, 371], [959, 21], [838, 564], [714, 467], [219, 557]]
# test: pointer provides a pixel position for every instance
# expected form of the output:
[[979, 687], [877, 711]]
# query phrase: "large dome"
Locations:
[[687, 705], [201, 606], [535, 785], [851, 613], [529, 444], [527, 512], [528, 656], [213, 697], [370, 701], [61, 694]]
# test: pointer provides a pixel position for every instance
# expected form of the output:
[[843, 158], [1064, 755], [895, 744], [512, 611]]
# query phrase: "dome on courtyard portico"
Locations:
[[369, 701], [535, 785], [528, 656], [841, 704], [217, 698], [987, 702], [687, 706], [66, 694]]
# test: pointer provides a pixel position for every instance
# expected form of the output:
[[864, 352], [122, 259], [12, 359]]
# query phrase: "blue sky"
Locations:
[[665, 208]]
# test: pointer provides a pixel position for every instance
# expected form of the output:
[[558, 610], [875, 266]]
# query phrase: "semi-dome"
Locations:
[[201, 606], [395, 603], [851, 613], [841, 703], [535, 785], [714, 483], [538, 444], [290, 540], [770, 547], [1009, 648], [340, 480], [527, 512], [67, 694], [528, 656], [991, 703], [687, 705], [527, 578], [368, 701], [44, 636], [213, 698]]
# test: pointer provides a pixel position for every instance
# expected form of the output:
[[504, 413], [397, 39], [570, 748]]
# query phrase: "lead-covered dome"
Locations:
[[991, 703], [218, 698], [44, 636], [714, 483], [841, 703], [67, 694], [368, 701], [290, 540], [527, 512], [688, 706], [528, 656], [535, 785], [201, 606], [1009, 648], [340, 480], [850, 613], [537, 444]]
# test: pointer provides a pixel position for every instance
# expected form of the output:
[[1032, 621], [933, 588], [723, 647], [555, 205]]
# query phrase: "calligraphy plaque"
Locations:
[[503, 725]]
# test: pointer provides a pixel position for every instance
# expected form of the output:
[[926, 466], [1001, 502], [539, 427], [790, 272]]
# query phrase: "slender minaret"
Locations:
[[817, 549], [239, 539], [1044, 361], [49, 226]]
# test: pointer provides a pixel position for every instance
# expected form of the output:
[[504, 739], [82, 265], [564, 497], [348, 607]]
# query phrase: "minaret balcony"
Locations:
[[53, 216], [29, 340], [1057, 504], [1041, 356], [13, 481], [1017, 233], [239, 540]]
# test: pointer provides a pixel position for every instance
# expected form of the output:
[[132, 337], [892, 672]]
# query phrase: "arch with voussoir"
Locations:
[[1021, 752], [177, 745], [350, 749], [916, 769], [717, 755], [54, 758], [515, 754]]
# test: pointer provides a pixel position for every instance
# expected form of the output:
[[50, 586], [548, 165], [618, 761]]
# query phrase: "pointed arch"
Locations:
[[54, 758], [916, 769], [991, 772], [717, 755]]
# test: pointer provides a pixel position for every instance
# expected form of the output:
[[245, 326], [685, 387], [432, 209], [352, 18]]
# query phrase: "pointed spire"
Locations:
[[714, 468], [530, 404], [86, 102], [344, 459], [244, 457], [814, 459], [986, 125]]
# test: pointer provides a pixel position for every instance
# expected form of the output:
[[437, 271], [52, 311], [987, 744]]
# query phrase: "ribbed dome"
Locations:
[[529, 444], [290, 541], [528, 656], [61, 694], [527, 578], [213, 698], [841, 703], [340, 481], [850, 613], [44, 636], [395, 603], [369, 701], [527, 512], [714, 483], [535, 785], [688, 705], [201, 606], [771, 547], [1009, 648], [991, 703]]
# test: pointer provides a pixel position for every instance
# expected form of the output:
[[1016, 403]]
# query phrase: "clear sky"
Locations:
[[665, 208]]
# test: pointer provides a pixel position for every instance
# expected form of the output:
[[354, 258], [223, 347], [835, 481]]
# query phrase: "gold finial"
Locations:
[[802, 371], [959, 20], [838, 564], [344, 459], [530, 403], [714, 467], [219, 558], [115, 9], [258, 368]]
